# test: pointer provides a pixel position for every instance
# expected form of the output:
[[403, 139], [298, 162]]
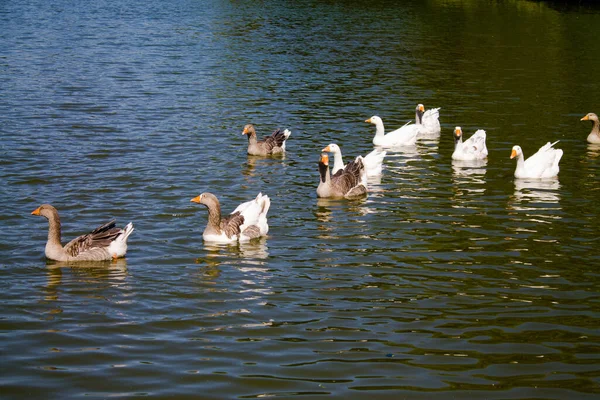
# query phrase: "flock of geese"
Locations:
[[249, 220]]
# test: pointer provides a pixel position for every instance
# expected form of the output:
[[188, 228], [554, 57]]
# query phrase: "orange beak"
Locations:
[[36, 211], [196, 199], [422, 108], [325, 159], [245, 131], [585, 118], [368, 120], [457, 132], [326, 149], [513, 154]]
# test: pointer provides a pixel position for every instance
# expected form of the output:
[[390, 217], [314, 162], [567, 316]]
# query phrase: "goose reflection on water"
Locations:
[[468, 178], [593, 150], [253, 249], [536, 191], [112, 272], [260, 163]]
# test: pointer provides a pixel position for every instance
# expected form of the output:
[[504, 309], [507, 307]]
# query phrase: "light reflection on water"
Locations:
[[450, 279]]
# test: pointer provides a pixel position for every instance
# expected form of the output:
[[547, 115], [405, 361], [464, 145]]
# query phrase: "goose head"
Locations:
[[457, 134], [374, 120], [419, 111], [206, 198], [332, 148], [323, 166], [590, 117], [516, 152], [249, 130], [45, 210]]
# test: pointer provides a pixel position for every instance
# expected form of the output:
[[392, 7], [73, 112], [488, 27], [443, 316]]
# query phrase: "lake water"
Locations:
[[448, 281]]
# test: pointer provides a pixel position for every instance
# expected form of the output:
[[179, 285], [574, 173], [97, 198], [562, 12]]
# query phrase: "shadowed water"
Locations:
[[450, 280]]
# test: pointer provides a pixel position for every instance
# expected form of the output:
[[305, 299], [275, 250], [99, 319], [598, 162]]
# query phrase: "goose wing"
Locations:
[[545, 159], [101, 237], [476, 143], [232, 223], [276, 139]]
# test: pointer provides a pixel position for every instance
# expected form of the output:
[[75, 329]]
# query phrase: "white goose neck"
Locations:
[[380, 130], [338, 162]]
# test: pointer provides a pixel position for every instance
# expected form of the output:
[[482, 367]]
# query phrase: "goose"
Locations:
[[372, 161], [428, 121], [594, 136], [350, 182], [248, 221], [471, 149], [404, 136], [541, 165], [274, 144], [107, 242]]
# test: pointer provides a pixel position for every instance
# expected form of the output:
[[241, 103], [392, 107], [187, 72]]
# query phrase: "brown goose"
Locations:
[[594, 136], [350, 182], [246, 222], [104, 243], [274, 144]]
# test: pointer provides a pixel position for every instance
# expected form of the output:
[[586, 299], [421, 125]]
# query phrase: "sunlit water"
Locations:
[[451, 280]]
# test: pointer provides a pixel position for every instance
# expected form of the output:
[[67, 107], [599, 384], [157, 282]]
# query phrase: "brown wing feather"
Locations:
[[349, 177], [231, 224], [275, 140], [102, 236]]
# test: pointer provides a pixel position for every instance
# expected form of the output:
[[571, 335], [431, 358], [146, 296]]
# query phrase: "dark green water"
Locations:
[[448, 281]]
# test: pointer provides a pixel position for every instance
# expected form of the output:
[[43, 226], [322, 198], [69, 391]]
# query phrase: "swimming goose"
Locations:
[[543, 164], [246, 222], [104, 243], [350, 182], [428, 121], [274, 144], [471, 149], [372, 161], [404, 136], [594, 136]]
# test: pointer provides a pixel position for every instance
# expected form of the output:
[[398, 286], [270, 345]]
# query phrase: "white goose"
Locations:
[[541, 165], [372, 161], [404, 136], [248, 221], [471, 149], [594, 136], [428, 121]]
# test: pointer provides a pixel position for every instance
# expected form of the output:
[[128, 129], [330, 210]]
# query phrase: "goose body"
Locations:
[[541, 165], [248, 221], [427, 121], [104, 243], [274, 144], [594, 136], [473, 148], [350, 182], [373, 162], [404, 136]]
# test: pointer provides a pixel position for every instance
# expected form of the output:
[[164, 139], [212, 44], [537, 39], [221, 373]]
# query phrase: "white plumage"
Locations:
[[543, 164], [372, 161], [428, 121], [404, 136], [255, 213], [473, 148]]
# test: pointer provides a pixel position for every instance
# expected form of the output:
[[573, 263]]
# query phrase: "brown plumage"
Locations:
[[349, 182], [103, 243], [218, 224], [274, 144], [248, 220]]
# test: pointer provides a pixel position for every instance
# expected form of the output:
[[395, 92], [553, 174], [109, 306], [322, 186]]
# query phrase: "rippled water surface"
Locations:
[[451, 280]]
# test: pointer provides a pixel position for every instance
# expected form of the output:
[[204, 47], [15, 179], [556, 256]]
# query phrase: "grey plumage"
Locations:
[[274, 144], [347, 183]]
